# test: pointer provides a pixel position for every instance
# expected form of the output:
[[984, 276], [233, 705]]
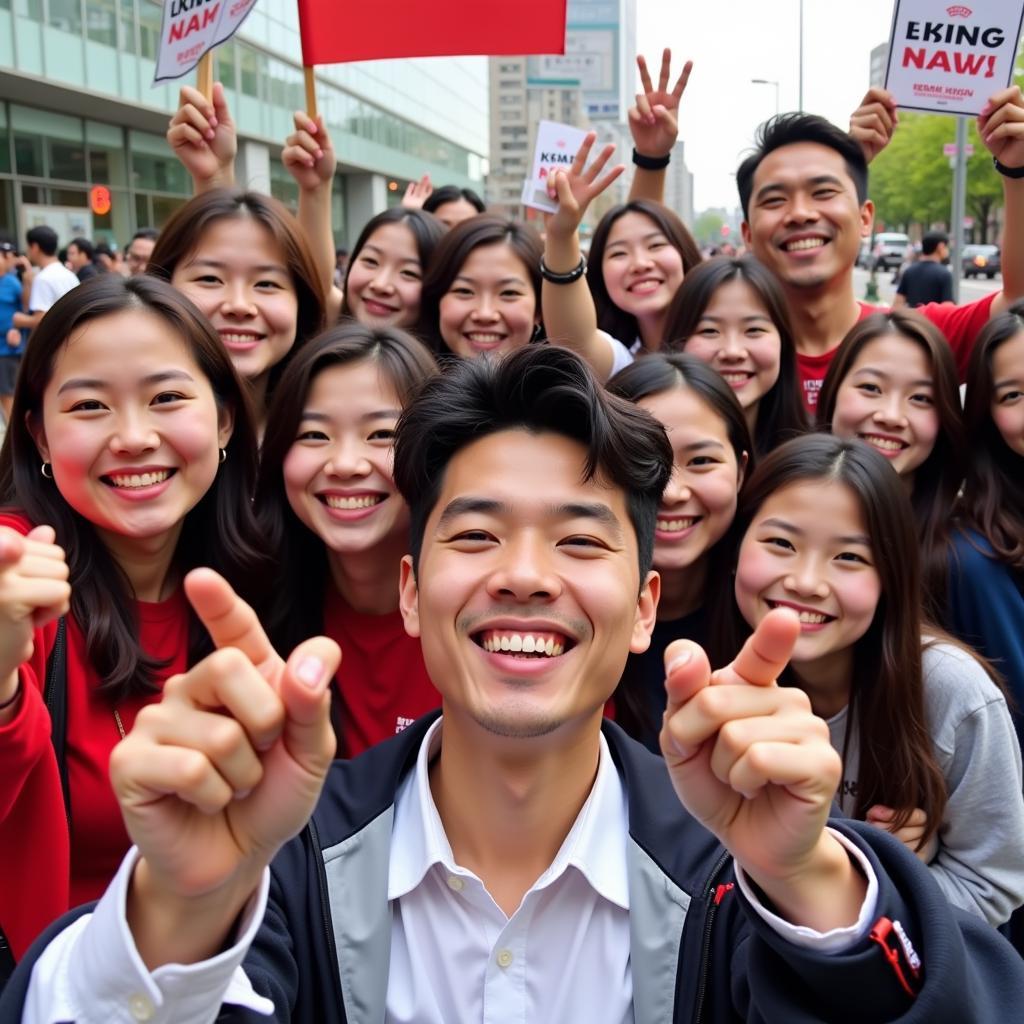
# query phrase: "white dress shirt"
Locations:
[[455, 956]]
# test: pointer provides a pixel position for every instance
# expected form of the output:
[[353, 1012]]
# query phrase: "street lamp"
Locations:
[[769, 81]]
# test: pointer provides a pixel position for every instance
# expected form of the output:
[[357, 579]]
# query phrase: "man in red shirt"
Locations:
[[804, 197]]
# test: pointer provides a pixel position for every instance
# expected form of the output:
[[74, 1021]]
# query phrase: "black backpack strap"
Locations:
[[55, 696]]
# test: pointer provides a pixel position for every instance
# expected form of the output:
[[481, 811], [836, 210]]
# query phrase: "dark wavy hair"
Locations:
[[538, 388], [295, 610], [182, 234], [992, 502], [219, 532], [654, 375], [476, 232], [898, 767], [617, 322], [780, 411], [427, 232], [938, 478]]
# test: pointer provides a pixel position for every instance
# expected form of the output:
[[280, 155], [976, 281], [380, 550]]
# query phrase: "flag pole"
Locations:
[[204, 75], [308, 72]]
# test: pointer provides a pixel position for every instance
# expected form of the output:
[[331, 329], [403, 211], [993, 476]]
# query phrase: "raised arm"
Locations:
[[653, 123], [1001, 126], [309, 156], [569, 316], [874, 121], [204, 138]]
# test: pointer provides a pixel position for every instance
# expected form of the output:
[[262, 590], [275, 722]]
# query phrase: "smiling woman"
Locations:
[[129, 460]]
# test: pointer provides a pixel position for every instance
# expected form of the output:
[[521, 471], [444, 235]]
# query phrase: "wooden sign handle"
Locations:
[[310, 77], [204, 75]]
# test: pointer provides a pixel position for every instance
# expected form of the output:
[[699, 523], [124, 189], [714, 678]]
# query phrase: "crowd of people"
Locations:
[[546, 493]]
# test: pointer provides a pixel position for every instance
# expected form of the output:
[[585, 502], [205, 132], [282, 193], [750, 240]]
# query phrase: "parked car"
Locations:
[[864, 254], [981, 259], [890, 250]]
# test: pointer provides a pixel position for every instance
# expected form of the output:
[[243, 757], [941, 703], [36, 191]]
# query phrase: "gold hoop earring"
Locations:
[[43, 469], [223, 455]]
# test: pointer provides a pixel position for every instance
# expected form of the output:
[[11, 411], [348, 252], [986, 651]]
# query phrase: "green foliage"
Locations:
[[707, 229]]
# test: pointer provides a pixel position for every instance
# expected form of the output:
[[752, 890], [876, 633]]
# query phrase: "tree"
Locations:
[[707, 228]]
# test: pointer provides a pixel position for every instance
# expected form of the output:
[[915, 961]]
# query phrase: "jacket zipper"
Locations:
[[325, 910], [709, 920]]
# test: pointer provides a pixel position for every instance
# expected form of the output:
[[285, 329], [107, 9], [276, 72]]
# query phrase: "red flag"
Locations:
[[336, 31]]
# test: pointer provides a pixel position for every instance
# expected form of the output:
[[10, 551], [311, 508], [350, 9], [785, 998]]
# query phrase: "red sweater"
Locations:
[[382, 684], [960, 325], [46, 871]]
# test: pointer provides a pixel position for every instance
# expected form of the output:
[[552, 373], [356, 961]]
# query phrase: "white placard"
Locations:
[[191, 27], [951, 57], [556, 148]]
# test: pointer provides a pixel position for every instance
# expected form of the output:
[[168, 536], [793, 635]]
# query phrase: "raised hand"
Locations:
[[204, 138], [874, 121], [417, 193], [653, 121], [576, 188], [751, 761], [910, 834], [34, 590], [214, 779], [308, 153], [1001, 126]]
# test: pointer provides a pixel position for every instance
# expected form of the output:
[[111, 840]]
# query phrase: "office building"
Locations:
[[879, 64], [82, 126]]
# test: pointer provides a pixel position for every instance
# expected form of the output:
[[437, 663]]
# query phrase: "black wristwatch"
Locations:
[[1007, 172]]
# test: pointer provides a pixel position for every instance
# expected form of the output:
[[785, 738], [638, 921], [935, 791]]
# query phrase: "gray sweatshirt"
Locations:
[[980, 859]]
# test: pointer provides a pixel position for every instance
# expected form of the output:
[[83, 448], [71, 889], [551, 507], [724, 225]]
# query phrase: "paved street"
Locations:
[[970, 289]]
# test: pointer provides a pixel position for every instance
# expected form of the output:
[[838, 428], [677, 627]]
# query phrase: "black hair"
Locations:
[[151, 234], [83, 245], [43, 236], [931, 241], [452, 194], [789, 129], [539, 389]]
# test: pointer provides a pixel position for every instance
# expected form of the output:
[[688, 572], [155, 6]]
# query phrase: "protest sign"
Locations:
[[556, 148], [191, 28], [950, 58], [335, 31]]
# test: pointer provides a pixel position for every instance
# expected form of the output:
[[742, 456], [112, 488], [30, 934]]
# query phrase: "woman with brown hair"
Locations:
[[130, 459], [893, 385], [243, 260], [338, 526], [929, 752]]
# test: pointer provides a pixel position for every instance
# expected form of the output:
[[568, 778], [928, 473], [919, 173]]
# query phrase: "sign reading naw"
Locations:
[[556, 148], [950, 58], [192, 27]]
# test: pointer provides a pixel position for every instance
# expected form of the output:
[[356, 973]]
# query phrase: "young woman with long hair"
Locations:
[[338, 526], [129, 460], [986, 570], [893, 384], [713, 452], [730, 313], [929, 752], [242, 259]]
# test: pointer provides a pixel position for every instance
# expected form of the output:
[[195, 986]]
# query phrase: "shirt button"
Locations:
[[504, 958], [141, 1008], [455, 883]]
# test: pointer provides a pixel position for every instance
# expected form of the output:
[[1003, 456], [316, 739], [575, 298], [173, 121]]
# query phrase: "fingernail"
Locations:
[[310, 671], [319, 153], [242, 794], [312, 127], [210, 133], [213, 120], [683, 659]]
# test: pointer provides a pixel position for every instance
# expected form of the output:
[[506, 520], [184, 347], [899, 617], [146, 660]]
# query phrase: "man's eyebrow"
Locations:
[[96, 383], [595, 510], [820, 179], [466, 505]]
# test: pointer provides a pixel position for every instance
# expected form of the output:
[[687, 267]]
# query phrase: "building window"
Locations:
[[155, 167], [66, 15], [101, 22]]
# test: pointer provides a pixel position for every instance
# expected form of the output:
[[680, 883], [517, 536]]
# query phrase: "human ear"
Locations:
[[38, 435], [867, 218], [745, 232], [408, 596], [225, 425], [646, 613], [741, 470]]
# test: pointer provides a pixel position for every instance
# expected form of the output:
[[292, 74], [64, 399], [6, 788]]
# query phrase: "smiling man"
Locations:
[[518, 858], [804, 193]]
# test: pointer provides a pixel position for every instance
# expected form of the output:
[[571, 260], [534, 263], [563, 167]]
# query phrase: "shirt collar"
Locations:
[[418, 840]]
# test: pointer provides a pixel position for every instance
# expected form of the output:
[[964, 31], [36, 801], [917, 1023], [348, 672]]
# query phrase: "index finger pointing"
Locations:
[[766, 653], [229, 620]]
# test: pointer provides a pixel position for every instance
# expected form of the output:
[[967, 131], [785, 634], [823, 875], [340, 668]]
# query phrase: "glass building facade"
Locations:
[[78, 109]]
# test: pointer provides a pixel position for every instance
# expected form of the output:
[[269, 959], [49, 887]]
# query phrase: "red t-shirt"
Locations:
[[382, 685], [44, 870], [960, 325]]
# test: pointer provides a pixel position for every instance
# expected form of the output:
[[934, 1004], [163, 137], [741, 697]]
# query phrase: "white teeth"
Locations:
[[735, 378], [884, 443], [812, 619], [238, 339], [677, 525], [140, 479], [484, 339], [805, 243], [364, 501], [522, 643]]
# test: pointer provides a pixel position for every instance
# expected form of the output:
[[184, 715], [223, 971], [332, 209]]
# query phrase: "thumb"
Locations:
[[687, 672], [12, 546], [304, 689], [43, 534]]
